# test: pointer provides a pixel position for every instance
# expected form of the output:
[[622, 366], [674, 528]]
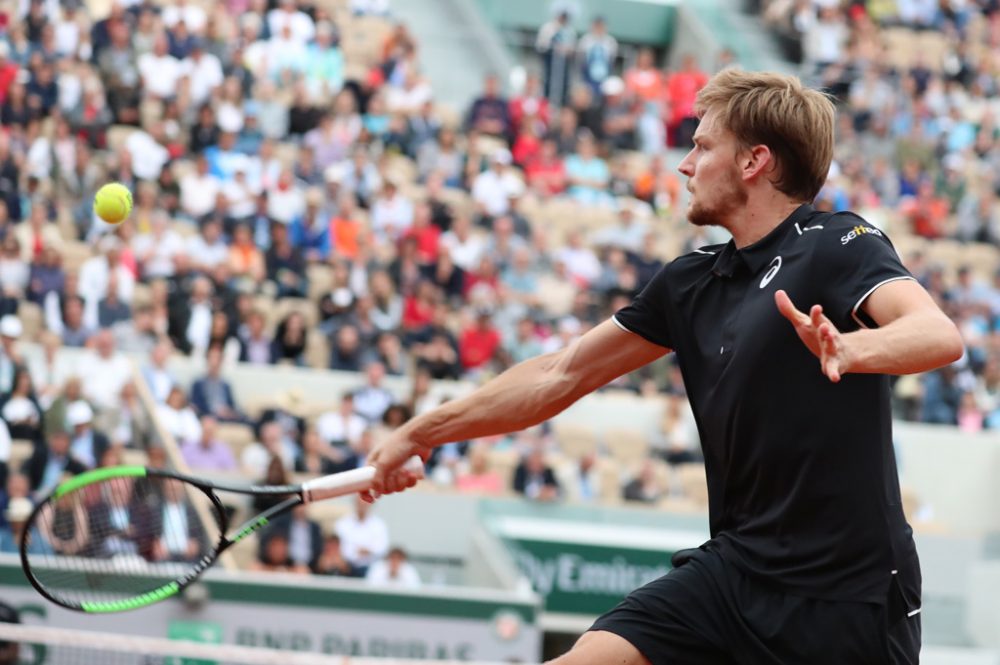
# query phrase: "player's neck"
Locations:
[[763, 212]]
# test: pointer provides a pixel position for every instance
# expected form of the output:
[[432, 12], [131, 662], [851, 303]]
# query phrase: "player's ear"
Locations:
[[755, 160]]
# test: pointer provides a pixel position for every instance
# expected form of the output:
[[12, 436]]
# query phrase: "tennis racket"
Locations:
[[122, 538]]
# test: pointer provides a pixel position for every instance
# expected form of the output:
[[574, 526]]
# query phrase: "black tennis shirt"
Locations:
[[802, 483]]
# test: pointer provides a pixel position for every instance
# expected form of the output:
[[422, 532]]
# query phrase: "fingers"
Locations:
[[829, 344], [787, 309]]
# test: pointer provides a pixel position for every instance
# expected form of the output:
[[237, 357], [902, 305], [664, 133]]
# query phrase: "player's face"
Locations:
[[713, 176]]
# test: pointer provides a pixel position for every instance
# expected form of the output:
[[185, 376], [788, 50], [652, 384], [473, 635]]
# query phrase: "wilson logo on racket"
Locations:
[[249, 528]]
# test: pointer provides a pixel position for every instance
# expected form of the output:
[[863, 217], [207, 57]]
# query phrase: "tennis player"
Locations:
[[785, 336]]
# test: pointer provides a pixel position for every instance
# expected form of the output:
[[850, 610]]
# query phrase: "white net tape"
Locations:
[[57, 646]]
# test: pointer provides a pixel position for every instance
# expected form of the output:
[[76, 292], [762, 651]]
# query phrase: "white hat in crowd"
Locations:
[[79, 413], [19, 509], [10, 326]]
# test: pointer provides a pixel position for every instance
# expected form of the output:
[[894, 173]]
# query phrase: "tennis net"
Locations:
[[36, 645]]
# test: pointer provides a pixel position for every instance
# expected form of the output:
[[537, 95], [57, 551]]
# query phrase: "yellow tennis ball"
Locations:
[[113, 202]]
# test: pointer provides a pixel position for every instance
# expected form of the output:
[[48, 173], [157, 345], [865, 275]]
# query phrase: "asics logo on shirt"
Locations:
[[772, 270]]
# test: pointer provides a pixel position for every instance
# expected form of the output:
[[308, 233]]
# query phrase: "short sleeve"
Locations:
[[646, 316], [854, 260]]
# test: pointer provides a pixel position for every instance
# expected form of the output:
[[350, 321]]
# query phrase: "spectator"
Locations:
[[332, 561], [535, 479], [556, 42], [479, 342], [371, 400], [10, 356], [305, 538], [682, 90], [320, 458], [174, 526], [256, 458], [290, 340], [16, 485], [479, 478], [644, 81], [597, 51], [587, 174], [257, 346], [644, 487], [20, 409], [16, 516], [50, 460], [208, 452], [275, 557], [491, 187], [364, 536], [342, 427], [159, 379], [581, 479], [104, 372], [489, 113], [212, 394], [178, 418], [394, 571]]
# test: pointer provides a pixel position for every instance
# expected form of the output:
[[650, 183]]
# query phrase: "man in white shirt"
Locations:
[[204, 71], [372, 400], [343, 426], [490, 189], [181, 10], [198, 330], [395, 570], [286, 200], [391, 213], [104, 372], [581, 262], [199, 190], [148, 155], [207, 250], [300, 27], [464, 246], [364, 537], [95, 276], [159, 70], [155, 251]]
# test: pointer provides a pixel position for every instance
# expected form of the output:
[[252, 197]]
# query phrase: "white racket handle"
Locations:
[[349, 482]]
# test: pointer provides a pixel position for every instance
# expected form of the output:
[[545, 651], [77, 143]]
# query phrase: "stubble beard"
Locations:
[[727, 200]]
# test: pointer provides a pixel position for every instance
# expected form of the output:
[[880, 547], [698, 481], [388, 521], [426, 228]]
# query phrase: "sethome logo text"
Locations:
[[859, 231]]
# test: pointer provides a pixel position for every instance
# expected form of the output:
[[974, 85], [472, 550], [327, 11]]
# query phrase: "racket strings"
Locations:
[[118, 539]]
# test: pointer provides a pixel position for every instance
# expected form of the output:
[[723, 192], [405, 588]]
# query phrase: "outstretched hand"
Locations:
[[819, 334]]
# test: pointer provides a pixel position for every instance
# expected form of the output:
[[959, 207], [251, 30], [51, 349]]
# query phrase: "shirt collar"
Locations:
[[760, 253]]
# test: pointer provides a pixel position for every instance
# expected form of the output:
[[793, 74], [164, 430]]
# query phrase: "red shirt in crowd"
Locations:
[[547, 176], [522, 107], [428, 240], [8, 72], [682, 89], [477, 345], [417, 313]]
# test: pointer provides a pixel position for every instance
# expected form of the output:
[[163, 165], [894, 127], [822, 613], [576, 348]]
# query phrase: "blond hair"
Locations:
[[796, 123]]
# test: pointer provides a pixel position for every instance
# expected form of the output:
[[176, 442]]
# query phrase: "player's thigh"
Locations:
[[597, 647]]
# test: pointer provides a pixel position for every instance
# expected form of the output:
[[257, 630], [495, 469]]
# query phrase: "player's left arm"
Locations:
[[913, 334]]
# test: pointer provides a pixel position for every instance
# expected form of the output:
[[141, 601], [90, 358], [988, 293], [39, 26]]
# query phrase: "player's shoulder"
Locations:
[[845, 228]]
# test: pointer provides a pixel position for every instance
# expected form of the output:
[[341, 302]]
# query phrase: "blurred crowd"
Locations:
[[302, 197], [918, 139]]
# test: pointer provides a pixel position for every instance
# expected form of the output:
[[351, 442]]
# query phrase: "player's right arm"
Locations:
[[525, 395]]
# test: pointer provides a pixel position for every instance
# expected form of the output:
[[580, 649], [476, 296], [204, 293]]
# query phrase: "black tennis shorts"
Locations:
[[707, 612]]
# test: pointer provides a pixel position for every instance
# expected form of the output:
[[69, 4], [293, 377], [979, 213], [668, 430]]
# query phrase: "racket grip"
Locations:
[[349, 482]]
